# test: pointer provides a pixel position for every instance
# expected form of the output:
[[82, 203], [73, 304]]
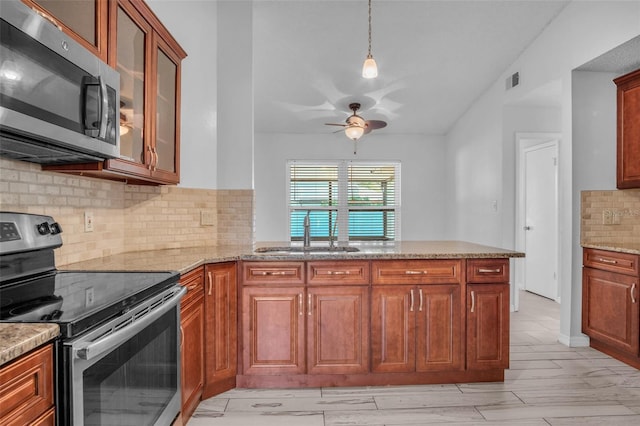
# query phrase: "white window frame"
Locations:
[[342, 228]]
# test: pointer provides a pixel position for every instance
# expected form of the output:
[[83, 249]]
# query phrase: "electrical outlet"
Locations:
[[207, 218], [89, 297], [607, 217], [88, 222]]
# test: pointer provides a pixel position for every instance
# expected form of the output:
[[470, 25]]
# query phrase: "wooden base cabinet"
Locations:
[[26, 389], [221, 328], [192, 316], [372, 323], [610, 311], [416, 328]]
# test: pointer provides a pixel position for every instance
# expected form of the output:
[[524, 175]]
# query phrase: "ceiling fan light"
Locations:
[[123, 130], [354, 132], [370, 69]]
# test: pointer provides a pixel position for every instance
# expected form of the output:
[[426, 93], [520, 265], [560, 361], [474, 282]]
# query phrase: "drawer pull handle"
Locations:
[[338, 272], [192, 287], [473, 301], [633, 293], [409, 272], [272, 273], [210, 283], [411, 307], [309, 304], [609, 261], [489, 271], [420, 307]]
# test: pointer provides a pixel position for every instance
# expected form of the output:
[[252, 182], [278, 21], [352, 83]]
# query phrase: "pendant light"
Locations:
[[369, 69]]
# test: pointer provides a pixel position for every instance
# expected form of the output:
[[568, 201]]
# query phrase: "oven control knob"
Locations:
[[55, 228], [43, 228]]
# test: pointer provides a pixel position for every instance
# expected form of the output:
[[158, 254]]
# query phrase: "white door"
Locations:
[[541, 220]]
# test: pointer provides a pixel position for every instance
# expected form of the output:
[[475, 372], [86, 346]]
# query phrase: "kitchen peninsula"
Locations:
[[390, 313]]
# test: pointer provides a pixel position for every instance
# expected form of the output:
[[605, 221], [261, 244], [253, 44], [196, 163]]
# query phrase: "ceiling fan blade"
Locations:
[[376, 124], [336, 124], [373, 125]]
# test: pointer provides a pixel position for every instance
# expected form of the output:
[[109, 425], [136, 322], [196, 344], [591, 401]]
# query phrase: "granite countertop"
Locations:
[[186, 259], [632, 248], [17, 339]]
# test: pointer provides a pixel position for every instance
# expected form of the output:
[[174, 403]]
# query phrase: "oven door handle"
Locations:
[[112, 340]]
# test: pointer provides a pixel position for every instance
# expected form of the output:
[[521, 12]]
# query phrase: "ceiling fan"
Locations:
[[356, 126]]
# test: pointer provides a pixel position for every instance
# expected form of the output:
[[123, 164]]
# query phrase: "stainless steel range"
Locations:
[[117, 360]]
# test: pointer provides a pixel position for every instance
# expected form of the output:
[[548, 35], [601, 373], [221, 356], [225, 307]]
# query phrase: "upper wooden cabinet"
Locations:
[[85, 21], [628, 129], [148, 59]]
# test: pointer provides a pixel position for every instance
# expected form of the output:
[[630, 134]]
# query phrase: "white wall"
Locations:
[[422, 171], [476, 172], [198, 135]]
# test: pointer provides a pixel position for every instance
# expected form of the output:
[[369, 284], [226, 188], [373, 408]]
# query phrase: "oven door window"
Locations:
[[135, 382]]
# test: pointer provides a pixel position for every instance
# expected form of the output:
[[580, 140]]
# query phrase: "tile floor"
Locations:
[[547, 384]]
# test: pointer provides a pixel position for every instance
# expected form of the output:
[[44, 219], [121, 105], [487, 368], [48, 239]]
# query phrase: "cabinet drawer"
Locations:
[[194, 282], [273, 272], [416, 271], [488, 270], [622, 263], [26, 387], [340, 272]]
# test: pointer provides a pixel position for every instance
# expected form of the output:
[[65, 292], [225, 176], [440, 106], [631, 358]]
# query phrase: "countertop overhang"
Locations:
[[612, 246]]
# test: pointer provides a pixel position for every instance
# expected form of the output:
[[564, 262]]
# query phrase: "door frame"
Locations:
[[526, 142]]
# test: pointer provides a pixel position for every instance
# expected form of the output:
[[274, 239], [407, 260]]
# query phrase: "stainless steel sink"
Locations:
[[312, 249]]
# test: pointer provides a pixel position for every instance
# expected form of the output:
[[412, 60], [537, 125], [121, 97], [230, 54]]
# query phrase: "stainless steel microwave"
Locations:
[[59, 103]]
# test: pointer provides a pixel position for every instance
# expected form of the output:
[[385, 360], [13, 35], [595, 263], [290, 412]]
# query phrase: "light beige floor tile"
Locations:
[[301, 404], [530, 411], [596, 421], [389, 390], [258, 419], [527, 384], [402, 417], [445, 400]]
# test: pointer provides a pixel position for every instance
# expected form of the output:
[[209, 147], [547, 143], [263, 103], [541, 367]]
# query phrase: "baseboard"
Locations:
[[574, 341]]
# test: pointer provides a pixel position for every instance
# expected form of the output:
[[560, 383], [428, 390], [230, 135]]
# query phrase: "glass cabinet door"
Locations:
[[165, 148], [131, 43], [86, 19]]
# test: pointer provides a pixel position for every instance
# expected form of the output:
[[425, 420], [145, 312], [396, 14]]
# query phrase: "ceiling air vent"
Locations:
[[512, 81]]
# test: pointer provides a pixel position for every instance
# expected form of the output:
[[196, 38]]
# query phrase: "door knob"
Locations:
[[527, 228]]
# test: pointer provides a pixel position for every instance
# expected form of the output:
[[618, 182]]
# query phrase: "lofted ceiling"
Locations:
[[435, 58]]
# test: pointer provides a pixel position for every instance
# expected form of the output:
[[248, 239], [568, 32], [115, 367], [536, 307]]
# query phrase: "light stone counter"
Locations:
[[617, 247], [17, 339], [186, 259]]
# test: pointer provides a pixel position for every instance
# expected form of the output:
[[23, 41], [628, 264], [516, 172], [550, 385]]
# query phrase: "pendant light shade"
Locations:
[[370, 68]]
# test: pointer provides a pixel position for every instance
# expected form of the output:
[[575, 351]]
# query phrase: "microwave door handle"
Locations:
[[99, 128], [112, 340], [104, 110]]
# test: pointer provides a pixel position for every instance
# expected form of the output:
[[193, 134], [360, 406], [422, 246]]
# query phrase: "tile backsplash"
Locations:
[[126, 217], [610, 216]]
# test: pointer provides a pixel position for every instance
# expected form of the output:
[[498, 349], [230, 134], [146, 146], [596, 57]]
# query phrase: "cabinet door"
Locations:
[[165, 136], [487, 326], [191, 350], [439, 332], [610, 308], [132, 37], [273, 330], [393, 329], [628, 130], [221, 329], [338, 330], [85, 21]]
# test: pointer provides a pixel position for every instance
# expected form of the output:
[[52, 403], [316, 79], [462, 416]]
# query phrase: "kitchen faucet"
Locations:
[[307, 231]]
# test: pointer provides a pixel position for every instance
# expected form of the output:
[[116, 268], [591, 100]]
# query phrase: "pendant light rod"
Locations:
[[370, 68]]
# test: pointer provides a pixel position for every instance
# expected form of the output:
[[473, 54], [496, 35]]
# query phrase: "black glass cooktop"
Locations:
[[81, 299]]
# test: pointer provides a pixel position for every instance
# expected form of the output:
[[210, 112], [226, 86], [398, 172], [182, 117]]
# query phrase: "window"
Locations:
[[345, 200]]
